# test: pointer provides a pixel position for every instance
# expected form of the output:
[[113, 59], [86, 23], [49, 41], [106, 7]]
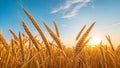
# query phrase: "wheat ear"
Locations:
[[38, 29], [4, 42], [13, 34], [53, 35], [56, 29], [30, 35], [77, 37], [109, 40], [83, 38], [21, 46]]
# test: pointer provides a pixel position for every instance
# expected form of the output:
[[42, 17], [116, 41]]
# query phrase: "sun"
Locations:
[[95, 41]]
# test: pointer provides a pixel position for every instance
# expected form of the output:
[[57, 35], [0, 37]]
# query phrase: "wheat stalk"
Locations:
[[82, 39], [30, 60], [57, 31], [4, 42], [56, 28], [13, 48], [78, 52], [77, 37], [21, 46], [53, 35], [38, 29], [109, 40], [30, 35], [103, 56], [13, 34]]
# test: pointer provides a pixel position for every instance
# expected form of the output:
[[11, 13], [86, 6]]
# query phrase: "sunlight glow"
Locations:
[[94, 41]]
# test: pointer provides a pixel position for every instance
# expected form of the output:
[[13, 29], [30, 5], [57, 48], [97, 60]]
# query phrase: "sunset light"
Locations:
[[95, 41]]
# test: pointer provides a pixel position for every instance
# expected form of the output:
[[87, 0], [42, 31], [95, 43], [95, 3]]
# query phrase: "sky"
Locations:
[[70, 15]]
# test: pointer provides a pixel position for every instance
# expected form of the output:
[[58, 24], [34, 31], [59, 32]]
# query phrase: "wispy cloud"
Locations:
[[74, 11], [68, 4]]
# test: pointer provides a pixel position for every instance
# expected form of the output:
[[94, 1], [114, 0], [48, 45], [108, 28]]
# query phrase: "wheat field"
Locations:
[[26, 51]]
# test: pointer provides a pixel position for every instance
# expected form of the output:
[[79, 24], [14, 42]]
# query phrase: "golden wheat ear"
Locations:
[[13, 47], [38, 29], [21, 46], [30, 35], [79, 34], [56, 28], [4, 42], [13, 34], [53, 35], [79, 45], [57, 40], [110, 42]]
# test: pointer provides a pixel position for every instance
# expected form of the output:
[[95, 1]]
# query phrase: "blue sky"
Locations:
[[70, 16]]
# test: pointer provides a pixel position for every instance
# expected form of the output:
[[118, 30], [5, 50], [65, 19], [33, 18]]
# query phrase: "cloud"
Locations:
[[74, 11], [68, 4]]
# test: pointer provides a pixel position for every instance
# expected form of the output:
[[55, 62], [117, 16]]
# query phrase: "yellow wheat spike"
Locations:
[[83, 38], [77, 37], [53, 35], [38, 29], [13, 34], [56, 28], [109, 40], [30, 35], [21, 46], [4, 42]]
